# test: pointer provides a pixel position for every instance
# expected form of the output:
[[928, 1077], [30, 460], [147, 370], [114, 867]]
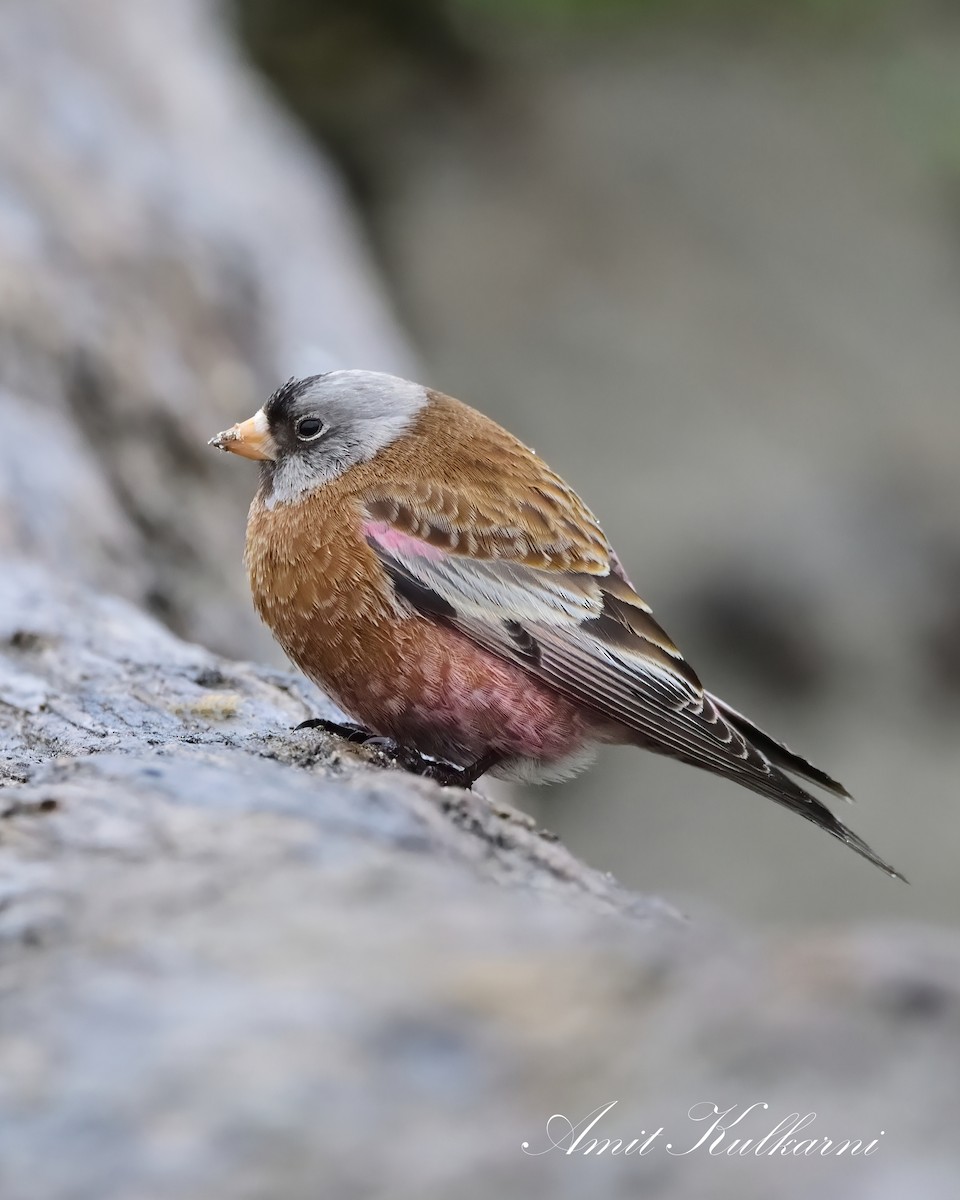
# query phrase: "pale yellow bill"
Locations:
[[249, 439]]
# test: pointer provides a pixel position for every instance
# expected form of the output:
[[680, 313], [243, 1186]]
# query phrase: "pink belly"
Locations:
[[449, 698]]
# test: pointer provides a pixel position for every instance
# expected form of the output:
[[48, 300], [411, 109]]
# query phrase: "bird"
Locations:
[[458, 600]]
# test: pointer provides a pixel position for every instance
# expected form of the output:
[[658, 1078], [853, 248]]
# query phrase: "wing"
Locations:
[[523, 569]]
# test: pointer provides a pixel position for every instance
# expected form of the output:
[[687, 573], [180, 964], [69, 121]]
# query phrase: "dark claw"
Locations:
[[358, 734], [410, 760], [352, 733]]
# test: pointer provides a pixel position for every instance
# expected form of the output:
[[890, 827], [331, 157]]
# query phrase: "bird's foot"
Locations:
[[459, 777], [359, 735], [410, 760], [350, 732]]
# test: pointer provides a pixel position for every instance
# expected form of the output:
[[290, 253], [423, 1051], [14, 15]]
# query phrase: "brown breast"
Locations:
[[318, 586]]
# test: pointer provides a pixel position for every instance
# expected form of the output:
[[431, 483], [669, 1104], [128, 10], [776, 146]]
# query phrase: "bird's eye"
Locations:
[[309, 429]]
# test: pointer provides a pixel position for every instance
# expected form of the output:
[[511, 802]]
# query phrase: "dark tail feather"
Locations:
[[780, 755], [780, 787], [763, 769]]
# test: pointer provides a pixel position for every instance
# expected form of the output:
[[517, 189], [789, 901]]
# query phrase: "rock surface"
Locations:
[[241, 961], [171, 250], [238, 961]]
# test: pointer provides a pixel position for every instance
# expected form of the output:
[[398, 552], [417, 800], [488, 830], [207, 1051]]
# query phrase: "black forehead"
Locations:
[[285, 401]]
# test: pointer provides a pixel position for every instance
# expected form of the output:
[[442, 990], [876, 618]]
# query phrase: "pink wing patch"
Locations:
[[397, 543]]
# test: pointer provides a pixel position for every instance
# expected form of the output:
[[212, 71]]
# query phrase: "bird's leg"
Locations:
[[461, 777]]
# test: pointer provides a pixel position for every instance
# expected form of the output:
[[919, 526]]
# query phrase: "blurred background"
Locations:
[[704, 256]]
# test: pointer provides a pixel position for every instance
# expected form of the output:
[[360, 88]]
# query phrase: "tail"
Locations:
[[774, 783], [779, 755]]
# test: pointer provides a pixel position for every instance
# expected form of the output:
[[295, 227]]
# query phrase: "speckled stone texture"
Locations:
[[239, 961]]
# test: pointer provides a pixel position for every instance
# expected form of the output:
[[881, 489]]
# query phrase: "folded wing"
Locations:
[[525, 571]]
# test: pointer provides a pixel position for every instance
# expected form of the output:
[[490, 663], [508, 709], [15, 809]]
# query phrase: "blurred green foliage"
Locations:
[[924, 96], [350, 68], [829, 12], [355, 70]]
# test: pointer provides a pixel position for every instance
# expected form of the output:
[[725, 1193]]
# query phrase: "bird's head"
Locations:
[[312, 430]]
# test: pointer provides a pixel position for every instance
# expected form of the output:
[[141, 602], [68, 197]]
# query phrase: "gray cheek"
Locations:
[[301, 472], [291, 479]]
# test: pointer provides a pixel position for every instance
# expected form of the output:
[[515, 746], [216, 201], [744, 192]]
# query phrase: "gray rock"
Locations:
[[236, 960], [171, 251]]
